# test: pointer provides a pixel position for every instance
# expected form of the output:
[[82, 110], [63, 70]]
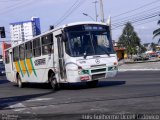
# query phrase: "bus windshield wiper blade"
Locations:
[[104, 50], [85, 55]]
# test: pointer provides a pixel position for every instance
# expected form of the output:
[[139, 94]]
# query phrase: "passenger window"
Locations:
[[16, 54], [22, 52], [28, 47], [36, 47], [47, 42]]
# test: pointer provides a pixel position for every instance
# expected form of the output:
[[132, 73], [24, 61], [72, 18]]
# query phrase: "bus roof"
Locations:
[[61, 27], [81, 23]]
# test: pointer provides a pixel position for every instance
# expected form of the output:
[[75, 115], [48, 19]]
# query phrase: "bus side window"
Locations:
[[16, 54], [47, 42], [36, 47], [22, 52], [28, 50], [7, 61]]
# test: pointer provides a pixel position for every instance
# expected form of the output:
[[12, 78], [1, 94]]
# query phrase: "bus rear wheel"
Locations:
[[92, 84], [53, 82], [19, 82]]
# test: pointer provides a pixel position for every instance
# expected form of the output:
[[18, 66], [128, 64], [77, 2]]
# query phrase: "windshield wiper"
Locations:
[[85, 55], [104, 50]]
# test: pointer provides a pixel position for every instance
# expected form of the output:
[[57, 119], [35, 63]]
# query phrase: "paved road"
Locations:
[[129, 92], [148, 66]]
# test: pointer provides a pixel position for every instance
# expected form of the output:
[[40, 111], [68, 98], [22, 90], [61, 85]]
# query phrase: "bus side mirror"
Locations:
[[64, 37]]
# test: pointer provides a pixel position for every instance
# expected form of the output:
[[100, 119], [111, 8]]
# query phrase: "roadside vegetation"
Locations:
[[130, 40], [156, 33]]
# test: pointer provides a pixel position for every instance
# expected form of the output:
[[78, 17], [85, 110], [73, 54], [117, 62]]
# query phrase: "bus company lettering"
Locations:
[[40, 62]]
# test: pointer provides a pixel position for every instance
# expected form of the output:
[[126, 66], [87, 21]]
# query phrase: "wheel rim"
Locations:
[[53, 82], [19, 82]]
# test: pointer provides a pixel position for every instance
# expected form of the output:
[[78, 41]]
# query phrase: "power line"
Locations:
[[148, 4], [13, 7], [138, 18], [70, 11], [147, 21], [9, 0], [136, 21], [132, 22], [135, 24], [146, 11], [67, 11]]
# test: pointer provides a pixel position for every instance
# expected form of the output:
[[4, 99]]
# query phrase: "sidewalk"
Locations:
[[130, 61], [140, 66]]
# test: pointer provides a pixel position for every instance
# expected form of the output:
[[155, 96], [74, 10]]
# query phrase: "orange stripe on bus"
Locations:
[[17, 67], [29, 65], [23, 67]]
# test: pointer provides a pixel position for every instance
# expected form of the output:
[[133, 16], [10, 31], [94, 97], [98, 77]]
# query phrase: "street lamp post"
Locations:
[[101, 11], [95, 2], [88, 16]]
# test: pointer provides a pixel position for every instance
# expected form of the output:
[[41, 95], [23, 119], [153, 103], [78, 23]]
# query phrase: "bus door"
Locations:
[[11, 65], [61, 57], [12, 76], [11, 59]]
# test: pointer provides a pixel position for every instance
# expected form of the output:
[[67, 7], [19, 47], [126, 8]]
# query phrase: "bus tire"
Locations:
[[53, 82], [19, 81], [92, 84]]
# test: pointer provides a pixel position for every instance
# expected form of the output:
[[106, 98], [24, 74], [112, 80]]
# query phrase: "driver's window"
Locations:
[[76, 45]]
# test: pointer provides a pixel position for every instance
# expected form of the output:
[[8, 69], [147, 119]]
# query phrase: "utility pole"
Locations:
[[101, 11], [95, 2]]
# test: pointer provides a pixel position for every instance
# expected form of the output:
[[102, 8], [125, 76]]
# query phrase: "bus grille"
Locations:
[[98, 76], [97, 66], [98, 70]]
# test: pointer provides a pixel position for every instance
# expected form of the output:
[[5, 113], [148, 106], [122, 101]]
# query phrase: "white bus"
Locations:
[[76, 52]]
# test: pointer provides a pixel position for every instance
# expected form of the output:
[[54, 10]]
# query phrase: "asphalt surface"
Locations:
[[148, 66], [129, 93]]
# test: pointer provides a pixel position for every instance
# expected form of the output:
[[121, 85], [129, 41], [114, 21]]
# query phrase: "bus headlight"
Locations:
[[112, 68], [82, 72]]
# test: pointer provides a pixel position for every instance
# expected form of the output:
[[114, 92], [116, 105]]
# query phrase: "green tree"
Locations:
[[157, 31], [142, 49], [129, 39]]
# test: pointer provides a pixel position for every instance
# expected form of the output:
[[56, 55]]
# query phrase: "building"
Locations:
[[24, 30], [121, 51], [147, 46], [5, 46]]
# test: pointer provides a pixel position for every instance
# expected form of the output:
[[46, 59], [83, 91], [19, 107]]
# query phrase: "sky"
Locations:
[[53, 12]]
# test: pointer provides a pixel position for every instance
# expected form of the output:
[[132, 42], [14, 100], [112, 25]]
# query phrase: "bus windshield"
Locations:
[[90, 40]]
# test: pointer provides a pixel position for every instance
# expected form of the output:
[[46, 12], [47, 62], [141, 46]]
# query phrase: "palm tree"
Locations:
[[157, 31]]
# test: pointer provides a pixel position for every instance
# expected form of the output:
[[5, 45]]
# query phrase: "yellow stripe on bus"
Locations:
[[29, 65], [23, 67], [17, 67]]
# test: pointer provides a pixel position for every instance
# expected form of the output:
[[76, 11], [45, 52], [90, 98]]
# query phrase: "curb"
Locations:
[[122, 63], [126, 70], [142, 61]]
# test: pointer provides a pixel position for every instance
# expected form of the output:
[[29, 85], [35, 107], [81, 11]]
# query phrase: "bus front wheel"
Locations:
[[19, 82], [53, 82]]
